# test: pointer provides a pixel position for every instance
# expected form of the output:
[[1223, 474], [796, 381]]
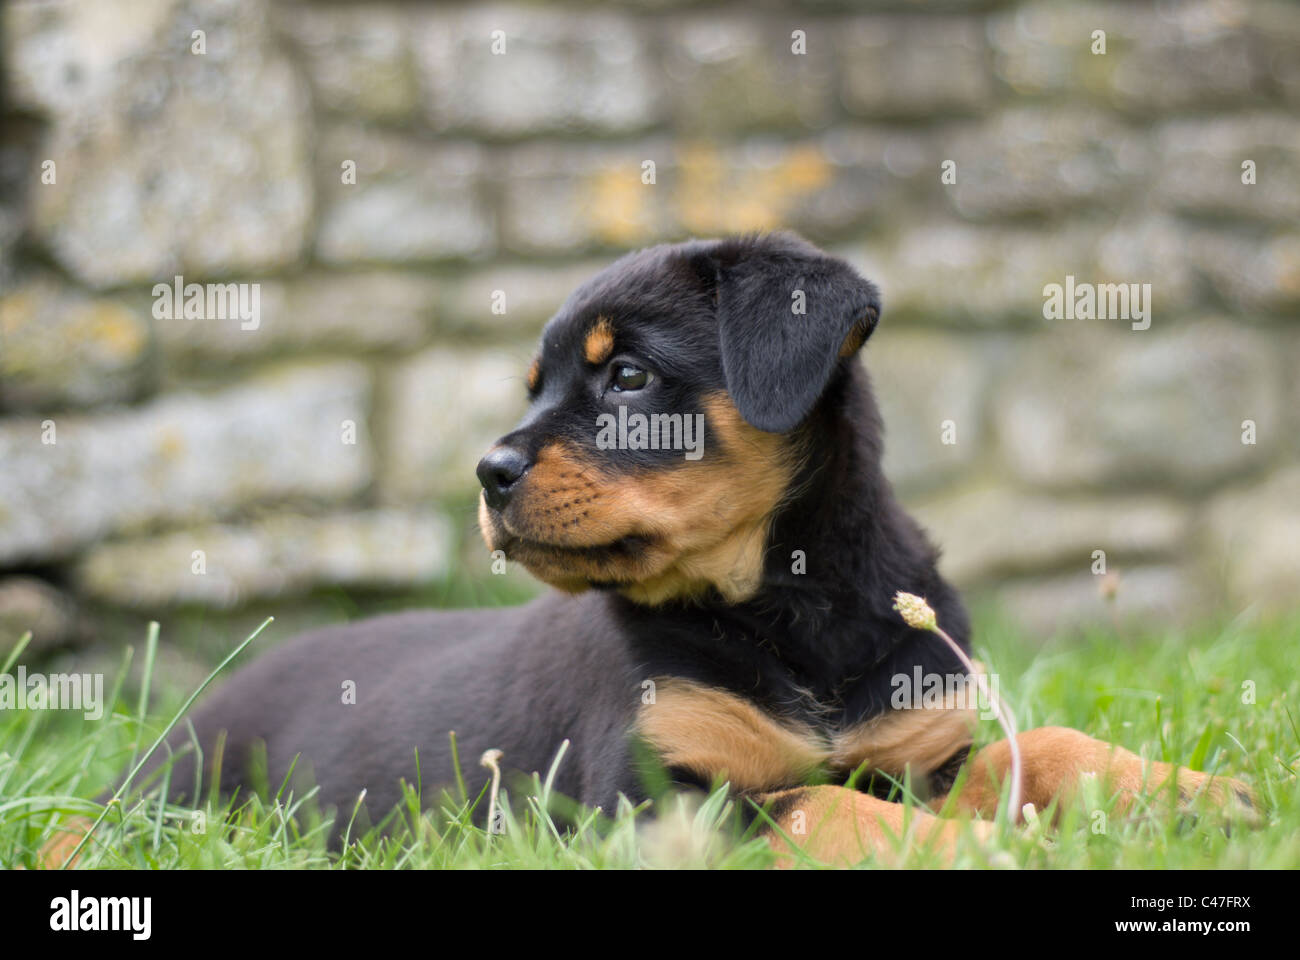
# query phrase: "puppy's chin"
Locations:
[[567, 584], [573, 569]]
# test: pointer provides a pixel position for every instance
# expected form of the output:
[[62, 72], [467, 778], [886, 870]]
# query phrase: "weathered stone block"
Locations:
[[560, 197], [359, 58], [909, 66], [29, 604], [1253, 536], [1158, 57], [1040, 161], [989, 274], [411, 200], [444, 408], [279, 436], [1275, 33], [994, 531], [861, 175], [280, 554], [528, 296], [364, 310], [1247, 271], [737, 72], [930, 389], [1145, 596], [59, 347], [126, 98], [1201, 172], [61, 54], [995, 274], [1160, 408], [555, 72]]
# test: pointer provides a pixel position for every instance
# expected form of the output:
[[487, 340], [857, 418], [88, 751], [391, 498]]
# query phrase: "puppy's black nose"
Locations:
[[499, 472]]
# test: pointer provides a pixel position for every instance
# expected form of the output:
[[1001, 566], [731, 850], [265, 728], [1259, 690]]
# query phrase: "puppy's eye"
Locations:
[[628, 378]]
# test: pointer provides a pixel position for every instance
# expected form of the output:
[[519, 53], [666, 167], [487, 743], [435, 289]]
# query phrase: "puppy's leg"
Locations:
[[840, 826], [57, 851], [1055, 760]]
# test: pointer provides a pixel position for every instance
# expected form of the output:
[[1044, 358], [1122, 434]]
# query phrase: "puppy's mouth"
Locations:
[[624, 561], [570, 566], [624, 548]]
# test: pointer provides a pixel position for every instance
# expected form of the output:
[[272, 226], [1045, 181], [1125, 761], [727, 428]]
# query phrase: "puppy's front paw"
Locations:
[[1197, 790]]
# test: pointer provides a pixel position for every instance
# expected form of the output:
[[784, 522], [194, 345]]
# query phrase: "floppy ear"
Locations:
[[787, 314]]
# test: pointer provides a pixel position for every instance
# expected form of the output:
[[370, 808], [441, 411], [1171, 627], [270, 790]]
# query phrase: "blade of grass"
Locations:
[[150, 652], [455, 765], [1197, 761], [17, 651], [115, 800], [1287, 710]]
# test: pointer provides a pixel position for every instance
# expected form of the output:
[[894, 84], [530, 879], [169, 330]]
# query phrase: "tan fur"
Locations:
[[1055, 758], [599, 345], [717, 734], [841, 827], [719, 515], [857, 336], [58, 849], [534, 373], [705, 522], [922, 739]]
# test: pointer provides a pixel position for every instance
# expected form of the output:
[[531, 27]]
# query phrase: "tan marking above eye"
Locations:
[[599, 345], [714, 733], [534, 373]]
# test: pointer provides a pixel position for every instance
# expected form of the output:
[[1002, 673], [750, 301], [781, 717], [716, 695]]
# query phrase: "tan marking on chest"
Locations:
[[922, 738], [713, 733], [716, 734]]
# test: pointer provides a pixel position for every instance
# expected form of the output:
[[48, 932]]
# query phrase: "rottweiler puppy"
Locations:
[[698, 474]]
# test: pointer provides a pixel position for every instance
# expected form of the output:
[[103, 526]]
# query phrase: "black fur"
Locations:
[[782, 316], [821, 646]]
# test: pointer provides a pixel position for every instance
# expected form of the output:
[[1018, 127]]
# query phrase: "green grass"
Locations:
[[1172, 695]]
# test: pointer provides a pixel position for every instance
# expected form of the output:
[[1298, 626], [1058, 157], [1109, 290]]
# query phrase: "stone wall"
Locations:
[[386, 177]]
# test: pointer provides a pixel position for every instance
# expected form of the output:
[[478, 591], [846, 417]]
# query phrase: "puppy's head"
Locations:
[[664, 425]]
